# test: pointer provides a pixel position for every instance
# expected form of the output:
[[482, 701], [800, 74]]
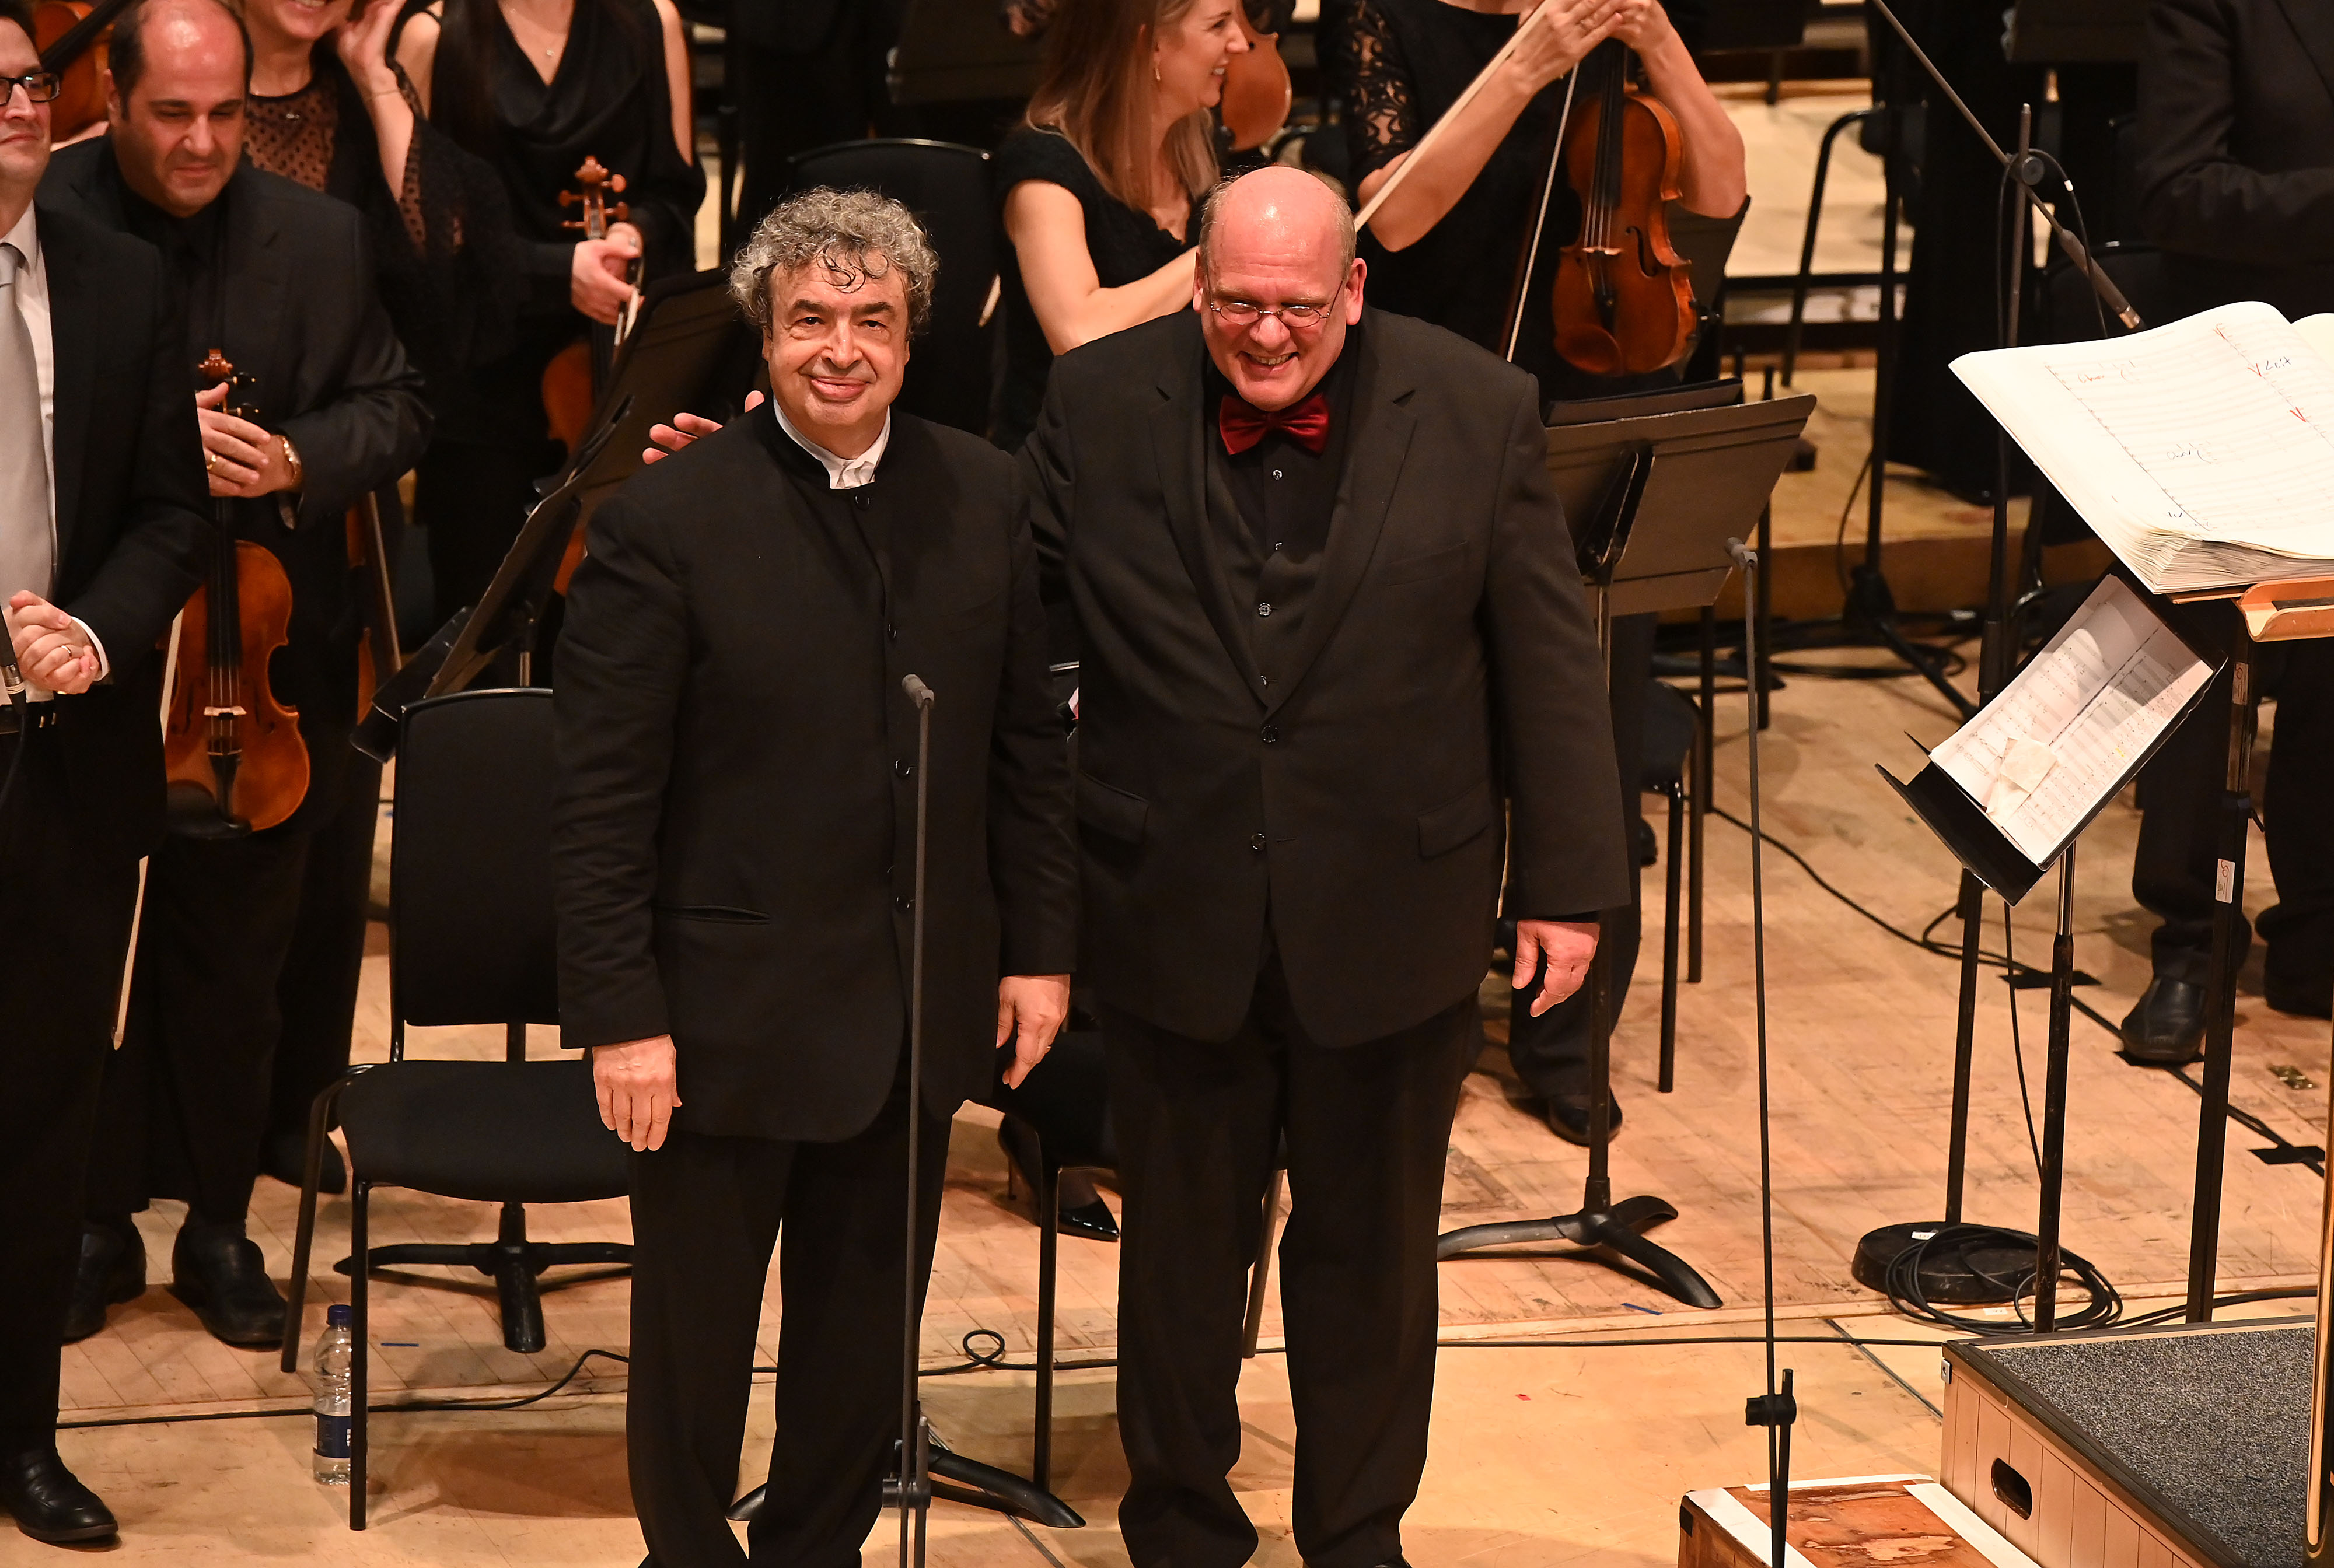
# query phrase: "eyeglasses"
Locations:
[[39, 87], [1245, 313]]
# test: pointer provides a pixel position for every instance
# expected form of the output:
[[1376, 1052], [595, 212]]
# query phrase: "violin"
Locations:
[[1257, 92], [571, 381], [232, 752], [1623, 298], [71, 36]]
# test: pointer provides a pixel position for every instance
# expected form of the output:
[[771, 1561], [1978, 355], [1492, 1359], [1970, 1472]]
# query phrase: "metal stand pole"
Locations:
[[2054, 1102], [2220, 989], [915, 1489]]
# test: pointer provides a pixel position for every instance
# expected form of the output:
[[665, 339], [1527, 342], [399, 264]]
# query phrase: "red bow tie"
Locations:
[[1243, 424]]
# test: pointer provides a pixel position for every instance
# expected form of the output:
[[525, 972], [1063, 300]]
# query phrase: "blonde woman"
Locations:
[[1098, 183]]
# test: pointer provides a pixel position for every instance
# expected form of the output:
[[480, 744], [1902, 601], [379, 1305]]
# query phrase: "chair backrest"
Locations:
[[951, 370], [471, 935]]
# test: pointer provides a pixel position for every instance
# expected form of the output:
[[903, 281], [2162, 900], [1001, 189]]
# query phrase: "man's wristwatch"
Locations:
[[290, 458]]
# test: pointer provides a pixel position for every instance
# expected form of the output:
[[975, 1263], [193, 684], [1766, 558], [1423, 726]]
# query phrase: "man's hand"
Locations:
[[1564, 945], [1030, 1009], [685, 430], [638, 1089], [244, 460], [596, 274], [52, 650]]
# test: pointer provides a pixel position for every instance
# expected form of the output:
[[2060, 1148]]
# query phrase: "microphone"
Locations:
[[918, 692], [1744, 556]]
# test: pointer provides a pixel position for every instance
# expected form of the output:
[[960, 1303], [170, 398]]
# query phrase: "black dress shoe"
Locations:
[[285, 1157], [112, 1270], [1091, 1220], [47, 1503], [221, 1273], [1568, 1117], [2167, 1028]]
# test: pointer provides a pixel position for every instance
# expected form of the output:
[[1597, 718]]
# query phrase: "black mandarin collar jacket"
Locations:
[[1439, 716], [733, 836]]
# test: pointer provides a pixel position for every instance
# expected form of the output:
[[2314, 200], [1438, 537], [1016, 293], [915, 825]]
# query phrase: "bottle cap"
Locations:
[[338, 1315]]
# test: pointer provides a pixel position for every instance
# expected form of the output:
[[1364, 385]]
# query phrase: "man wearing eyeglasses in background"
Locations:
[[102, 522], [1338, 674]]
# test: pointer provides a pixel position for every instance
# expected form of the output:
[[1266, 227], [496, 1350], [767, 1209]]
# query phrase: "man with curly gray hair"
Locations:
[[734, 854]]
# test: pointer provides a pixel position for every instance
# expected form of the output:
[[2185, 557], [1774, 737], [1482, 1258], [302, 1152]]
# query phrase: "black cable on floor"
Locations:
[[1964, 1243], [2008, 964]]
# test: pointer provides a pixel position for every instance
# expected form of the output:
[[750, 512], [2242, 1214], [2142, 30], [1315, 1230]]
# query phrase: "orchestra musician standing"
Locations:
[[535, 88], [1447, 246], [735, 848], [1099, 183], [330, 110], [102, 528], [279, 279], [1338, 672]]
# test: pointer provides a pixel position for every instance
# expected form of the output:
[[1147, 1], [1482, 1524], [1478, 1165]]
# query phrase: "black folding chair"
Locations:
[[951, 373], [471, 942], [1673, 740]]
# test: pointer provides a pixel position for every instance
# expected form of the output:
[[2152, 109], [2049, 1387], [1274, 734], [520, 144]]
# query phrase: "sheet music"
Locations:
[[2202, 452], [2042, 756]]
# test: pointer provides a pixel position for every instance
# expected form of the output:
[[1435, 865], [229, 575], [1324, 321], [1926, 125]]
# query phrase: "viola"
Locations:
[[1623, 298], [1257, 92], [232, 752], [71, 36]]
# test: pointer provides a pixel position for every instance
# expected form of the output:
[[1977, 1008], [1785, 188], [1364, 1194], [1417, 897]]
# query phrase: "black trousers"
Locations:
[[1550, 1053], [186, 1100], [1366, 1128], [317, 993], [58, 1033], [704, 1214], [2175, 865]]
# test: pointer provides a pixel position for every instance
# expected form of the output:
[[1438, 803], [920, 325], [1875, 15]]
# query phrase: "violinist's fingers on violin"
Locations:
[[211, 396]]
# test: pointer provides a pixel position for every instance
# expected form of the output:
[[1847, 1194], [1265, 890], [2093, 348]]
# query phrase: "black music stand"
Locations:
[[1663, 488], [1989, 855], [687, 333]]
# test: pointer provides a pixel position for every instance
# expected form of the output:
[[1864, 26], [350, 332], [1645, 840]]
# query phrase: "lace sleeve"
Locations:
[[408, 190], [1381, 106]]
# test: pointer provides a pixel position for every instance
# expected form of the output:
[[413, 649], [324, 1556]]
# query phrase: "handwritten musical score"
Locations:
[[2202, 452], [2042, 757]]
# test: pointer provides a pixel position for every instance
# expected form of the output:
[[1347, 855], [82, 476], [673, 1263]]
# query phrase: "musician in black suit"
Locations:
[[734, 849], [102, 524], [1337, 673], [280, 280], [2236, 188]]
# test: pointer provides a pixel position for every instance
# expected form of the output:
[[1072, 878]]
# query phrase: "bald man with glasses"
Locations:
[[103, 522]]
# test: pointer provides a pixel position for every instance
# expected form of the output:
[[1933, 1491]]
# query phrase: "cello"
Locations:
[[232, 752]]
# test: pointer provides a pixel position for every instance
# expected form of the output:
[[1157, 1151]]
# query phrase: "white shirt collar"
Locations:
[[842, 473]]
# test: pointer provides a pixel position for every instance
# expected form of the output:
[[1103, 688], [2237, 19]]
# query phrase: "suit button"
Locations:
[[1264, 609], [905, 769], [902, 903], [861, 499], [1257, 843], [892, 630], [1267, 734]]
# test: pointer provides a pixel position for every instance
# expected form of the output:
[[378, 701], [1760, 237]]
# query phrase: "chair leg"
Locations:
[[320, 1120], [1048, 1200], [1261, 1274], [1670, 942], [361, 1334]]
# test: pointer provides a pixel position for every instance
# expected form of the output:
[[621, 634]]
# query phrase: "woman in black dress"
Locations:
[[1097, 184], [534, 87], [1445, 246]]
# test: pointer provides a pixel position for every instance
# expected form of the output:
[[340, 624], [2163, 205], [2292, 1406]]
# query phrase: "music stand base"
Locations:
[[1618, 1229], [956, 1480], [1947, 1276]]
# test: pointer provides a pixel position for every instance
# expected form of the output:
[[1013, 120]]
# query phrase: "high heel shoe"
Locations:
[[1092, 1220]]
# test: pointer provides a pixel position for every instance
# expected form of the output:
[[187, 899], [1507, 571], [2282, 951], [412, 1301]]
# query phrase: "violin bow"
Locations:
[[1539, 223], [1435, 133]]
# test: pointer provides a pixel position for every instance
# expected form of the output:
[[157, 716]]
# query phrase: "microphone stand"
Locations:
[[1870, 602], [914, 1488]]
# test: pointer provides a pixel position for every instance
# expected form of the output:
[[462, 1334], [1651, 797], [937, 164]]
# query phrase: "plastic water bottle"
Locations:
[[334, 1353]]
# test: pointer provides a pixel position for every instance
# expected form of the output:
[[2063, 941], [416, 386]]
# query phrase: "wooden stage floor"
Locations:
[[1542, 1455]]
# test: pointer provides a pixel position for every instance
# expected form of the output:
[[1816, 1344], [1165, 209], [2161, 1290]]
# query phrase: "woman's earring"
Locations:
[[1154, 73]]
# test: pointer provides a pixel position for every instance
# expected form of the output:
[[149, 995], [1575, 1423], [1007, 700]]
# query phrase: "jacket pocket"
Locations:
[[720, 914], [1456, 822], [972, 617], [1418, 568], [1111, 811]]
